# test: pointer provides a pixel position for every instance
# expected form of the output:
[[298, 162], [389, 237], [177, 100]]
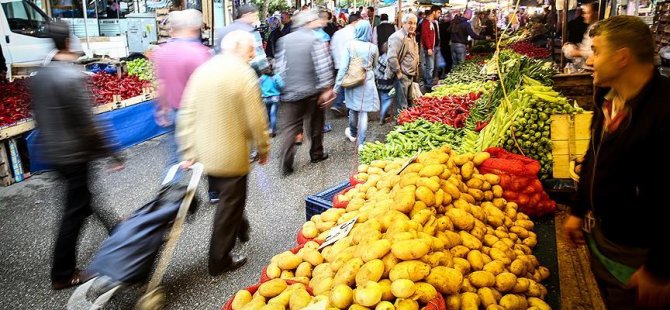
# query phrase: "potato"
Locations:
[[410, 249], [482, 279], [389, 262], [459, 251], [321, 285], [470, 241], [474, 183], [461, 219], [544, 273], [470, 301], [385, 305], [311, 256], [406, 304], [505, 281], [495, 267], [431, 170], [451, 189], [518, 267], [480, 158], [386, 290], [521, 285], [403, 288], [432, 184], [403, 201], [512, 302], [272, 306], [499, 255], [376, 250], [476, 260], [288, 261], [527, 224], [425, 195], [487, 297], [461, 265], [273, 271], [272, 288], [446, 280], [368, 295], [451, 239], [242, 297], [299, 299], [422, 216], [341, 296], [424, 292], [304, 270], [538, 303], [497, 307], [309, 230], [370, 271], [286, 274], [467, 170], [347, 274], [413, 270], [453, 302]]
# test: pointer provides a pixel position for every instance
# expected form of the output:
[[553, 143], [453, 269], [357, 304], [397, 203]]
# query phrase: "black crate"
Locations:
[[317, 204]]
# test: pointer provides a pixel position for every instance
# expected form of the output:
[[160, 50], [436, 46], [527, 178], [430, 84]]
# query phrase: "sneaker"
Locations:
[[327, 128], [347, 132]]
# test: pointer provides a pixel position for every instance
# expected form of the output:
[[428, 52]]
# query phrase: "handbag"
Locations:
[[356, 73]]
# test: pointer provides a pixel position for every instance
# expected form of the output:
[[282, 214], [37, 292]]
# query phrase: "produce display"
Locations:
[[408, 139], [142, 68], [14, 102], [522, 123], [438, 235], [450, 110], [468, 72], [531, 50], [104, 86], [461, 89]]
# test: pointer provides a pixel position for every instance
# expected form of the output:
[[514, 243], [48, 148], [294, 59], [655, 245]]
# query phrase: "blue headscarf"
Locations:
[[363, 31]]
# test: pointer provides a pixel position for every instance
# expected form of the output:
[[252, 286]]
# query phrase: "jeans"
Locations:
[[402, 89], [338, 103], [428, 66], [358, 124], [457, 53], [77, 209], [229, 220], [272, 105], [386, 103]]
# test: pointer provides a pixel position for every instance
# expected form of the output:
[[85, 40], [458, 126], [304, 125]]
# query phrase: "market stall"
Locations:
[[122, 95]]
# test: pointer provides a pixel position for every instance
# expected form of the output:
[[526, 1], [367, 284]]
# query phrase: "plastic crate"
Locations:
[[317, 204]]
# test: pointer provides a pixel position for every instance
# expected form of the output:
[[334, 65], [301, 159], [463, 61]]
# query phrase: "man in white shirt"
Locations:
[[337, 45]]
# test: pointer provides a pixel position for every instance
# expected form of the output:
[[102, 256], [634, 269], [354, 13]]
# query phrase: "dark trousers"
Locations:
[[229, 220], [77, 208], [291, 117]]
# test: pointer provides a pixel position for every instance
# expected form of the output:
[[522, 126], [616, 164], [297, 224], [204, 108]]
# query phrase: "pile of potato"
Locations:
[[439, 227]]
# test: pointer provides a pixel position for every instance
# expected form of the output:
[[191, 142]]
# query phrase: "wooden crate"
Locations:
[[570, 136], [577, 87]]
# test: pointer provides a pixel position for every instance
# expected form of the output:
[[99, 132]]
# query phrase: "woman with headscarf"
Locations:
[[363, 98]]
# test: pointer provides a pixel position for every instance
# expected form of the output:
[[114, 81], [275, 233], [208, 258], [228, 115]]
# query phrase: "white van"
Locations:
[[23, 38]]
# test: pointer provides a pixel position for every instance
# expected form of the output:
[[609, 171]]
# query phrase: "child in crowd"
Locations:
[[271, 86], [384, 86]]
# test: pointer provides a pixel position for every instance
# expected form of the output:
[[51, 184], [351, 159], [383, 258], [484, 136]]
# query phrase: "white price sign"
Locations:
[[339, 232]]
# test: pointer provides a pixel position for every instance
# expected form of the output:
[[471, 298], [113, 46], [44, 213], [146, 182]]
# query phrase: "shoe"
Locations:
[[299, 138], [286, 172], [77, 278], [213, 197], [320, 159], [253, 156], [236, 261], [327, 128], [347, 132]]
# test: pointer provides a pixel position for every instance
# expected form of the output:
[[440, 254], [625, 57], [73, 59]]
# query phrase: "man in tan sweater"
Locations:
[[221, 113]]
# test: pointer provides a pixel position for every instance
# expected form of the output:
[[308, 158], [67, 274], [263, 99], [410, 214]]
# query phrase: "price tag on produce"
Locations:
[[338, 232], [411, 160]]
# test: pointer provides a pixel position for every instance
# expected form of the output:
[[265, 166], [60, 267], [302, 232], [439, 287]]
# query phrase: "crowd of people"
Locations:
[[227, 105]]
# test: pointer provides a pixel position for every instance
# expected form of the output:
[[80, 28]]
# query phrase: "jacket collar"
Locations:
[[634, 103]]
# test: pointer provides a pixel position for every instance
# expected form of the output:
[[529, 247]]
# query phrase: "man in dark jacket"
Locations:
[[460, 30], [70, 139], [621, 201], [383, 31]]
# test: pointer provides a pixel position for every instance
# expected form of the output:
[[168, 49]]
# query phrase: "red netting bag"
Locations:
[[518, 178], [437, 303], [354, 181], [336, 200]]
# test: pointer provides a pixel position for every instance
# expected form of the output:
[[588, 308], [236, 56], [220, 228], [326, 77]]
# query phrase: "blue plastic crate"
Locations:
[[317, 204]]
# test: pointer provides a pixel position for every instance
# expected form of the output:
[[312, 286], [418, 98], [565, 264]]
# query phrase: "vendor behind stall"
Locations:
[[579, 52]]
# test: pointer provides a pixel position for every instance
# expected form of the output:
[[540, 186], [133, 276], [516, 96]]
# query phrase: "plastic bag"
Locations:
[[518, 178]]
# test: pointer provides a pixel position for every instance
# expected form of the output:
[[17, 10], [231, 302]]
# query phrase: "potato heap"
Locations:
[[439, 227]]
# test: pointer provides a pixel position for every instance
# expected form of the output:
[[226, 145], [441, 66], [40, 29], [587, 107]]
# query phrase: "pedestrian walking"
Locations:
[[222, 114], [339, 43], [460, 30], [384, 86], [71, 139], [306, 68], [403, 60], [247, 19], [362, 98], [174, 62], [271, 86]]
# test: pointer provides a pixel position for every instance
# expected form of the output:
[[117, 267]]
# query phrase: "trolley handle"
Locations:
[[197, 169]]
